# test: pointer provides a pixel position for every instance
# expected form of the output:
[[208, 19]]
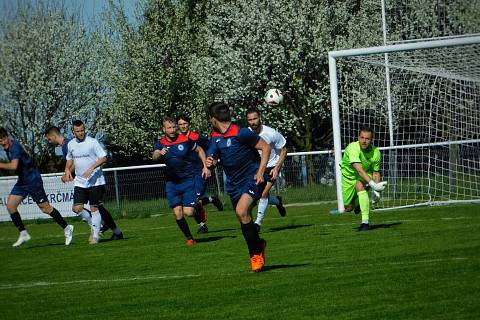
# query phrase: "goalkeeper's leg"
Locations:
[[364, 201]]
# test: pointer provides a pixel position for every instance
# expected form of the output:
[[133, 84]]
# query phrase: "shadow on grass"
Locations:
[[290, 227], [384, 225], [381, 225], [211, 239], [284, 266], [221, 230], [46, 245]]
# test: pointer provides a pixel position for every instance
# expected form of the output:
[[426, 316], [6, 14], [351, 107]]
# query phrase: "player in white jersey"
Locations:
[[277, 156], [86, 155]]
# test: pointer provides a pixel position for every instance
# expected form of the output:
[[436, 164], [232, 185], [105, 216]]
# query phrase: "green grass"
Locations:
[[419, 263]]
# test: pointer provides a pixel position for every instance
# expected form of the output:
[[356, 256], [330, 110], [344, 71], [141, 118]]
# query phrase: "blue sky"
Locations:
[[91, 9]]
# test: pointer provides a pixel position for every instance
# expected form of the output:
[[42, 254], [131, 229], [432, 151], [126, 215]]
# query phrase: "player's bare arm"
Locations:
[[67, 175], [266, 149], [12, 165], [201, 154], [88, 173], [276, 170]]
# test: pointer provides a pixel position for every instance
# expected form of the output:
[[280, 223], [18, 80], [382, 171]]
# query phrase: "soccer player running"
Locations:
[[236, 148], [86, 156], [55, 138], [361, 171], [177, 151], [277, 156], [183, 122], [29, 183]]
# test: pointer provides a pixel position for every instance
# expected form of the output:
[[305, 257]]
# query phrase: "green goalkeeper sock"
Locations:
[[364, 205]]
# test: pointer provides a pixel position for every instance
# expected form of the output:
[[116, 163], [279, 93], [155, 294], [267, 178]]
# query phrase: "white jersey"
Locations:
[[84, 154], [276, 142]]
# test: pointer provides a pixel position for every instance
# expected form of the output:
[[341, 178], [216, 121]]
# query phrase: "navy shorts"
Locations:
[[93, 196], [34, 190], [267, 177], [181, 193], [247, 186], [200, 186]]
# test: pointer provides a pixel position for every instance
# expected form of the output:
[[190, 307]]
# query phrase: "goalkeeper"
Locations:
[[360, 172]]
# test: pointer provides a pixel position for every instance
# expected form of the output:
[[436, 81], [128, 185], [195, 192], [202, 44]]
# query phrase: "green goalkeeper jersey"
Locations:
[[370, 160]]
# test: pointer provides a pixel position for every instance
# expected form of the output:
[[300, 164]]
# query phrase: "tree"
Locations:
[[150, 75], [50, 73], [257, 45]]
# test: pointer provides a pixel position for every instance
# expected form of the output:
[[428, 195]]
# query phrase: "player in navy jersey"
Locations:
[[183, 122], [29, 183], [237, 149], [55, 138], [177, 151]]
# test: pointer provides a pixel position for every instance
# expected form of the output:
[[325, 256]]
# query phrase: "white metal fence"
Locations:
[[140, 190]]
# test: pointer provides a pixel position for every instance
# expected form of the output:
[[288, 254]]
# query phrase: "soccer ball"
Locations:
[[274, 97]]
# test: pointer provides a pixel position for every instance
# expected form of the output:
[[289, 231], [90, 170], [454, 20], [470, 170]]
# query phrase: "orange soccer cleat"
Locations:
[[191, 242], [257, 261]]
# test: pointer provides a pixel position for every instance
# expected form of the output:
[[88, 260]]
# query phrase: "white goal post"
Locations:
[[426, 123]]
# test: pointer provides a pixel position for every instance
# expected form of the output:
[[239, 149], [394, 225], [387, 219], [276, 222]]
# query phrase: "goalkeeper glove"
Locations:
[[377, 186]]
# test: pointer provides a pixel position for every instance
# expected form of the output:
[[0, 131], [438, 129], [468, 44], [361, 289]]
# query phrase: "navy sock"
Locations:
[[250, 234], [17, 221], [183, 225], [58, 218], [107, 217], [196, 215]]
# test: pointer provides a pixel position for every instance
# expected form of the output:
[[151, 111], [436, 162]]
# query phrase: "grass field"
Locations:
[[419, 263]]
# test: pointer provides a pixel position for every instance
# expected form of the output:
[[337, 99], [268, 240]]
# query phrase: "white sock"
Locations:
[[96, 223], [85, 215], [201, 224], [365, 221], [262, 207]]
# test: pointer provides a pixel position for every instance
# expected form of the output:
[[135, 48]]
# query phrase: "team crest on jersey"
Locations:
[[229, 142], [180, 147]]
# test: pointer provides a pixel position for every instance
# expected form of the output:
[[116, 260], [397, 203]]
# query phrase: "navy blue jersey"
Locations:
[[26, 170], [236, 150], [65, 147], [201, 141], [178, 158]]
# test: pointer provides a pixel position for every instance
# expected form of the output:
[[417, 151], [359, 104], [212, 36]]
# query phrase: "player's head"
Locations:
[[4, 140], [78, 128], [183, 122], [219, 112], [254, 119], [365, 137], [53, 135], [169, 128]]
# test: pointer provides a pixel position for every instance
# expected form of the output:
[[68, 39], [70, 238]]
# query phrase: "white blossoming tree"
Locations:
[[50, 73], [257, 45]]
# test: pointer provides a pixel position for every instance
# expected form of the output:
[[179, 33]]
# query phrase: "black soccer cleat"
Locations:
[[357, 210], [281, 209], [258, 227], [217, 203], [117, 236], [202, 229], [364, 227]]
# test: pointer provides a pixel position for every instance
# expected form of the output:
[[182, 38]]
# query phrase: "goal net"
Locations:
[[423, 102]]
